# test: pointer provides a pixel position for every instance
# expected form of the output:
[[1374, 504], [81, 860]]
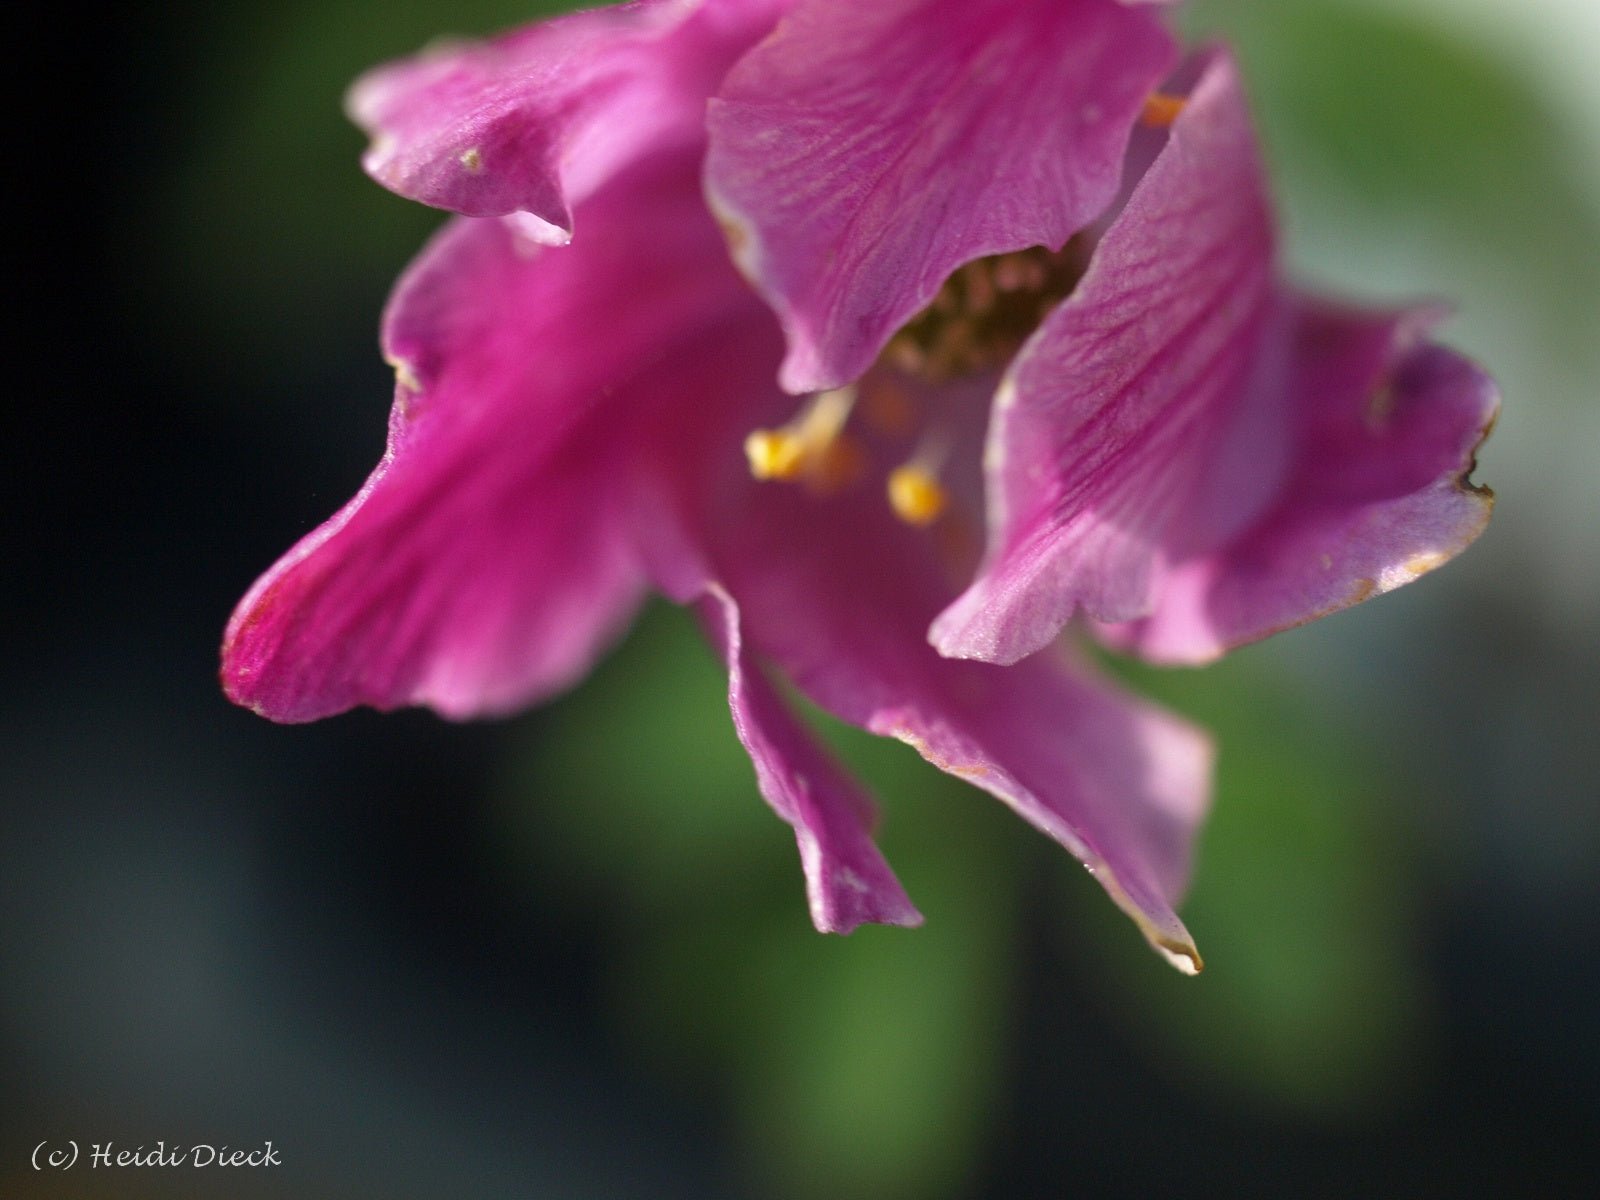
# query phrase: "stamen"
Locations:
[[915, 495], [812, 448], [1161, 109], [774, 454]]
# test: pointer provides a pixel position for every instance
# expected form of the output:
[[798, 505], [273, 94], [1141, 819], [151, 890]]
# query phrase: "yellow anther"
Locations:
[[915, 495], [775, 454], [1161, 109], [811, 448]]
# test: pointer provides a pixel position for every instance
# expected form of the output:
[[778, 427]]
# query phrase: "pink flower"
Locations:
[[943, 202]]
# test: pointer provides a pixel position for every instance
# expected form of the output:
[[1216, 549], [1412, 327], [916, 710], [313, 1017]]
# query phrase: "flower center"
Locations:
[[984, 312], [975, 325]]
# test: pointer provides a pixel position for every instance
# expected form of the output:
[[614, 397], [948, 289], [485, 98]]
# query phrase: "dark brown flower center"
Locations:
[[984, 312]]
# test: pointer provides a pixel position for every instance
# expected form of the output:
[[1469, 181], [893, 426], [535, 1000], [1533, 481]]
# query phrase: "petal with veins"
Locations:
[[1378, 492], [839, 600], [848, 883], [491, 554], [535, 120], [1113, 413], [864, 151]]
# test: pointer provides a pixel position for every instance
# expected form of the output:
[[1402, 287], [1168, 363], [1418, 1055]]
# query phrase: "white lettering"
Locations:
[[107, 1154]]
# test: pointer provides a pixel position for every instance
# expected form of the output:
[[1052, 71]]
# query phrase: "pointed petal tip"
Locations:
[[541, 232], [1163, 930], [240, 659], [953, 635], [1185, 958], [1172, 943], [830, 919], [848, 882], [1161, 927], [841, 899]]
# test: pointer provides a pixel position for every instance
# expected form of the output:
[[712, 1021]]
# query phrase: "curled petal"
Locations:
[[1378, 492], [1119, 783], [864, 151], [490, 556], [685, 461], [848, 883], [536, 119], [1111, 417], [838, 594], [433, 587]]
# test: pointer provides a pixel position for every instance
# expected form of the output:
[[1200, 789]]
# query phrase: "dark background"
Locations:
[[567, 954]]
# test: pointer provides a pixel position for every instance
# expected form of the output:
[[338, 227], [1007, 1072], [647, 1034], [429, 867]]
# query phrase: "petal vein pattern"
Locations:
[[491, 555], [1106, 425], [847, 881], [864, 151], [537, 119], [1376, 494]]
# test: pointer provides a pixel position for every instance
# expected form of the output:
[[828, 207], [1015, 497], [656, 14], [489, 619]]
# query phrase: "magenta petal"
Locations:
[[838, 594], [1119, 783], [685, 462], [1378, 493], [864, 151], [1108, 422], [535, 120], [491, 554], [848, 883]]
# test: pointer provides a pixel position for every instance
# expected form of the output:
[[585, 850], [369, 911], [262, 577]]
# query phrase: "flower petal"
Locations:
[[491, 555], [837, 593], [690, 478], [848, 883], [864, 151], [1112, 414], [1377, 495], [538, 118]]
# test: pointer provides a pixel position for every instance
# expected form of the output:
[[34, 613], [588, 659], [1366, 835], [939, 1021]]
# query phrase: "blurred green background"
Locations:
[[567, 955]]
